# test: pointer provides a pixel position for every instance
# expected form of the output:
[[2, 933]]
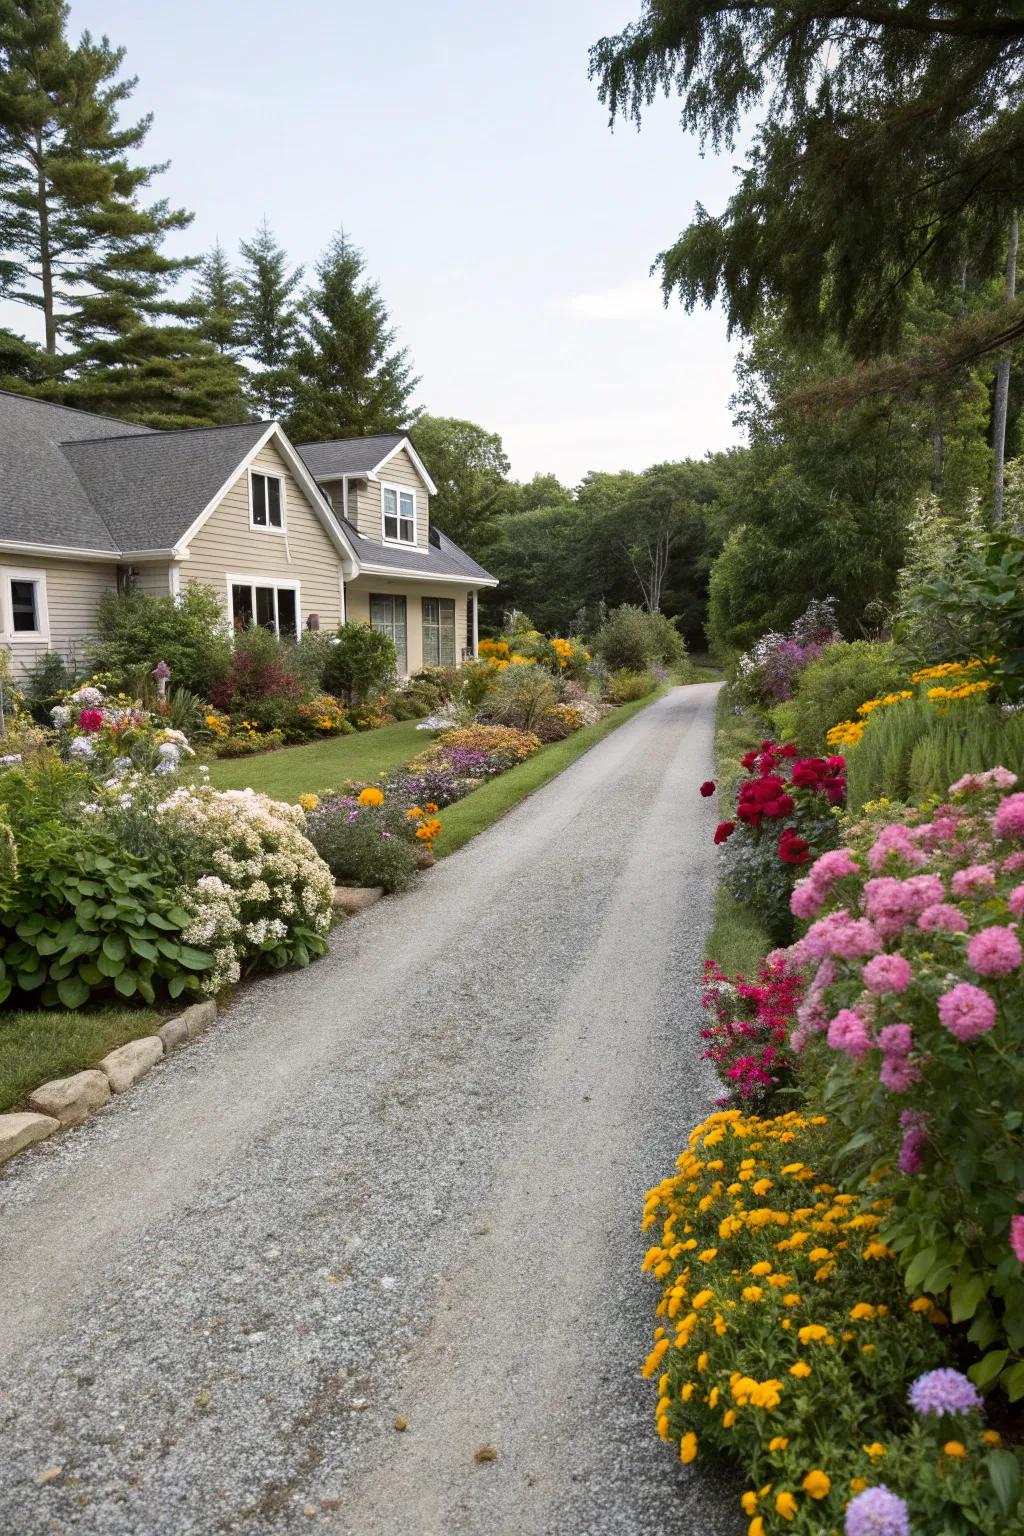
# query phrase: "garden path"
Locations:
[[403, 1185]]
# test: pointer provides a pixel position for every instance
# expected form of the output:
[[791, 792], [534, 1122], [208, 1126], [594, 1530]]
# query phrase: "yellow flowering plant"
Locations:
[[785, 1339]]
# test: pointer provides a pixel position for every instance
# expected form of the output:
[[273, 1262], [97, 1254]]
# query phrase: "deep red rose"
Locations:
[[707, 788], [793, 849], [724, 831], [90, 720]]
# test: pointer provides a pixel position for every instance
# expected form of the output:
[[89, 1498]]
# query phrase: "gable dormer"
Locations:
[[379, 484]]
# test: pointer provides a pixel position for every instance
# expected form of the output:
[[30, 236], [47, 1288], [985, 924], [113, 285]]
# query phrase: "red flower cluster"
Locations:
[[825, 773], [793, 849], [90, 720], [707, 788], [749, 1039], [761, 798], [768, 795]]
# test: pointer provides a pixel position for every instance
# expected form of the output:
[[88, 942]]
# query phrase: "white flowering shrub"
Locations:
[[112, 736], [256, 890]]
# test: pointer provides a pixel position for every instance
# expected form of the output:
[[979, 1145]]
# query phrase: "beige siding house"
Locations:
[[290, 538]]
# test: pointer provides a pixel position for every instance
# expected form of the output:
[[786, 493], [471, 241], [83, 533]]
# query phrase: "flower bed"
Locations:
[[786, 1341], [371, 836], [749, 1038]]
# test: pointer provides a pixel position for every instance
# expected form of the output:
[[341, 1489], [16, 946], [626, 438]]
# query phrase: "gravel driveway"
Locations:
[[403, 1185]]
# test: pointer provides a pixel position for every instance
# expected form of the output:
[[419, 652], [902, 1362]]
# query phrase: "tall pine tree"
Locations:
[[79, 246], [350, 378], [216, 302], [268, 322]]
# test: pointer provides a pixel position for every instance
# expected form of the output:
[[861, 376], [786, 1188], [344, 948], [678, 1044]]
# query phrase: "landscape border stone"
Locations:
[[356, 898], [71, 1099], [19, 1131]]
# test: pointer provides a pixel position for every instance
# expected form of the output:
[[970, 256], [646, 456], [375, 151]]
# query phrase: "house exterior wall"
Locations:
[[73, 589], [153, 580], [357, 599], [367, 513], [227, 544]]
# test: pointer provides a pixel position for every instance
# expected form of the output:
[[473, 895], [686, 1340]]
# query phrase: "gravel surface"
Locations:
[[403, 1186]]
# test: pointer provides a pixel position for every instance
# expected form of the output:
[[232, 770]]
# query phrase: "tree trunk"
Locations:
[[1002, 395], [45, 256]]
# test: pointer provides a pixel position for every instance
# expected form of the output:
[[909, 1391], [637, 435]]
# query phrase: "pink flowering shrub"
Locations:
[[785, 815], [748, 1038], [914, 1011]]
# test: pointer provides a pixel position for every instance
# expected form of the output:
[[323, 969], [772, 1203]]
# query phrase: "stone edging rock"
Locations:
[[68, 1101]]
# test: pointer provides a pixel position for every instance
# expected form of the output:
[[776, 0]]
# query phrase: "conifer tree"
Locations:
[[350, 378], [216, 302], [268, 321]]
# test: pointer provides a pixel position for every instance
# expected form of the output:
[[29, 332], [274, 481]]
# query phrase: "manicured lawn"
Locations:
[[468, 817], [35, 1047], [323, 765]]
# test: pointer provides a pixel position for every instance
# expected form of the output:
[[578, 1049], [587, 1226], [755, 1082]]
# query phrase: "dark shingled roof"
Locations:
[[349, 455], [152, 488], [43, 500], [441, 557]]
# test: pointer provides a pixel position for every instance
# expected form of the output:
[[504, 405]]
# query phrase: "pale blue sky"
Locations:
[[463, 147]]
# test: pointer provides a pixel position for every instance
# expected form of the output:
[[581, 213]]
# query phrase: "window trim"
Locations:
[[400, 491], [441, 629], [267, 474], [277, 582], [12, 636]]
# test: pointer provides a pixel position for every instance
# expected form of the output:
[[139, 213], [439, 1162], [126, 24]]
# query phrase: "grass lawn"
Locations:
[[36, 1047], [468, 817], [323, 765]]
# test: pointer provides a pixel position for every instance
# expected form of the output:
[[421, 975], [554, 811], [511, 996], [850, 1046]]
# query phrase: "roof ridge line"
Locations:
[[150, 432]]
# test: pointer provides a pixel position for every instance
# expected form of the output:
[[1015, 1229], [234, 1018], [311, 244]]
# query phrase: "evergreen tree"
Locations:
[[268, 322], [350, 379], [79, 245], [216, 302], [163, 376]]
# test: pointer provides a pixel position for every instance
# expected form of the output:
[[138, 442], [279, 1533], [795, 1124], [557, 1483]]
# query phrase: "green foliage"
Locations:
[[911, 751], [349, 377], [975, 609], [623, 686], [84, 918], [215, 301], [268, 320], [832, 688], [863, 133], [135, 631], [632, 638], [362, 662], [44, 680], [520, 697], [375, 847], [261, 683]]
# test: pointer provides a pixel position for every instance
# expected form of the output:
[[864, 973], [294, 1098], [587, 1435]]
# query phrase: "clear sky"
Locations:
[[462, 146]]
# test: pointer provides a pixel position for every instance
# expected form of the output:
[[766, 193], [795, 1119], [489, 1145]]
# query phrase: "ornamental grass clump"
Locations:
[[786, 1343], [913, 1023]]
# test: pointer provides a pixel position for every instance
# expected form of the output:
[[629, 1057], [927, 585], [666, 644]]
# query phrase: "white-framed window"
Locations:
[[389, 615], [398, 507], [264, 600], [438, 631], [266, 501], [352, 501], [24, 614]]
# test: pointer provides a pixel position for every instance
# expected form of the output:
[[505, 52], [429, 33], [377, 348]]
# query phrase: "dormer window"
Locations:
[[266, 500], [399, 514]]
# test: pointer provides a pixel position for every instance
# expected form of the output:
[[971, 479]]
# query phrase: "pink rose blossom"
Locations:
[[995, 778], [887, 973], [1009, 818], [915, 1144], [974, 880], [1015, 900], [1013, 863], [944, 918], [966, 1011], [806, 900], [848, 1033], [896, 1040], [893, 904], [942, 829], [995, 951], [898, 1074], [834, 865], [894, 839], [1017, 1237]]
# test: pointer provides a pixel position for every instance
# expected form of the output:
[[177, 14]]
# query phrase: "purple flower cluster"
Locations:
[[877, 1512], [943, 1391]]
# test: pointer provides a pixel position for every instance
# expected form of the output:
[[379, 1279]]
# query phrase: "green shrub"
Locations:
[[520, 697], [244, 743], [80, 915], [632, 639], [310, 656], [831, 688], [260, 683], [44, 681], [624, 686], [364, 844], [134, 632], [362, 662]]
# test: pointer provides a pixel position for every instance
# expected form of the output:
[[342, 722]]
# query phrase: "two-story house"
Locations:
[[291, 537]]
